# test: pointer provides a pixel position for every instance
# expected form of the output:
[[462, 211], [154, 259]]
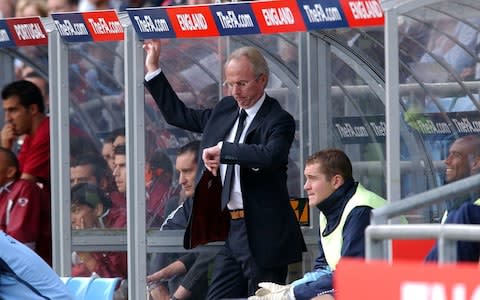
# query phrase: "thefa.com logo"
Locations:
[[418, 290]]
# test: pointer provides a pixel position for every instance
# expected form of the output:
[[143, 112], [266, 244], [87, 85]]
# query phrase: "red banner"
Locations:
[[362, 13], [104, 25], [27, 31], [357, 279], [278, 16], [192, 21]]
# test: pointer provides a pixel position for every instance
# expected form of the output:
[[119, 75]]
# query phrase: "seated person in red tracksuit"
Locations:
[[91, 209]]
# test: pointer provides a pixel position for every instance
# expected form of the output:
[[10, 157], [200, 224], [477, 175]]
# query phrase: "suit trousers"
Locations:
[[235, 273]]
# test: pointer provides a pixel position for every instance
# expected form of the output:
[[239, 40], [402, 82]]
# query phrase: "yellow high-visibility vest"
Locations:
[[332, 243]]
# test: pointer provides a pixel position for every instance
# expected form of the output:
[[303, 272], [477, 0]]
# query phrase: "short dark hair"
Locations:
[[12, 160], [27, 92], [89, 194], [120, 150], [118, 132], [332, 162], [99, 165], [192, 147]]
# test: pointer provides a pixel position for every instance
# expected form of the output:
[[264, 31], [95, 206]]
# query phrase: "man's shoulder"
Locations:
[[24, 185], [42, 134], [276, 108]]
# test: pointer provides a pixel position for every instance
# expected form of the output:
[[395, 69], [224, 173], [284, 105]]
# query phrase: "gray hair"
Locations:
[[255, 57]]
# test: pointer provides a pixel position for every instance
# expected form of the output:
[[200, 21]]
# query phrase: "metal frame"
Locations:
[[59, 152]]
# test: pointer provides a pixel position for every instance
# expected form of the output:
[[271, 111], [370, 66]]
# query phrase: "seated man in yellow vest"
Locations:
[[345, 207]]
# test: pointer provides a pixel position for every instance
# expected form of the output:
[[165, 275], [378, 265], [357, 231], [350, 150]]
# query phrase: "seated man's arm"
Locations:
[[196, 275], [354, 232], [175, 268]]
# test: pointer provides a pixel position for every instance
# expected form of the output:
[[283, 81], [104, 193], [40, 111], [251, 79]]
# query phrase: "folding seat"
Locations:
[[78, 286], [102, 289]]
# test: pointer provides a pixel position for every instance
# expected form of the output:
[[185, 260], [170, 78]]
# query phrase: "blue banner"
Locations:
[[235, 19], [72, 27], [6, 39], [321, 14], [151, 23]]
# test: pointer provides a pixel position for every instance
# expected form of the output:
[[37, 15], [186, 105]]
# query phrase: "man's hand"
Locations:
[[211, 158], [160, 292], [153, 50], [182, 293], [159, 275], [8, 135]]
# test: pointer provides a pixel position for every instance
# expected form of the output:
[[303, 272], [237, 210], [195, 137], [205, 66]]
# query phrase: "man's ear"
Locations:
[[475, 165], [33, 109], [337, 181], [11, 172]]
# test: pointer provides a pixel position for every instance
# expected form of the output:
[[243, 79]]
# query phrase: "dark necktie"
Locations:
[[229, 174]]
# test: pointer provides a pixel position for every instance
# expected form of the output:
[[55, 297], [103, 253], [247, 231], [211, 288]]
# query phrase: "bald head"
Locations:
[[461, 158]]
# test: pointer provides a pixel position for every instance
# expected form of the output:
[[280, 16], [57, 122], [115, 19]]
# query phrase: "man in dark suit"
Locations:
[[264, 236]]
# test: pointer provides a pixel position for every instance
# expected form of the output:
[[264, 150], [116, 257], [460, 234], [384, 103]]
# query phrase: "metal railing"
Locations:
[[447, 236], [379, 233]]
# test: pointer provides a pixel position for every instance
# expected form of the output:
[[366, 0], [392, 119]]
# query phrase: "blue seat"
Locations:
[[78, 286], [102, 289]]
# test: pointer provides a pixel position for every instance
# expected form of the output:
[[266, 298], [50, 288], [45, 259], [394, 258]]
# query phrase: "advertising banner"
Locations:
[[27, 31], [97, 26], [357, 279], [6, 39], [255, 17], [322, 14]]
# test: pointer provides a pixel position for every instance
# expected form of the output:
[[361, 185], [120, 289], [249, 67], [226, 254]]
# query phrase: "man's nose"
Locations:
[[181, 179]]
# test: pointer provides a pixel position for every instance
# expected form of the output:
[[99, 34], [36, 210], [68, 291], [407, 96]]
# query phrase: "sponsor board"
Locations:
[[361, 13], [192, 21], [265, 17], [97, 26], [321, 14], [27, 31], [432, 126], [357, 279], [235, 19], [104, 25], [6, 39], [278, 16], [72, 27], [151, 23]]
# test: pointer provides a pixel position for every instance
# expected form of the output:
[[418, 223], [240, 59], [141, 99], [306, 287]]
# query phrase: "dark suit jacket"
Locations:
[[273, 232]]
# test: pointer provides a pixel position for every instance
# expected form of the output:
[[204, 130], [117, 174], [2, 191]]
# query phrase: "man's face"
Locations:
[[83, 216], [120, 172], [317, 186], [108, 155], [186, 167], [242, 83], [82, 174], [17, 115], [459, 161]]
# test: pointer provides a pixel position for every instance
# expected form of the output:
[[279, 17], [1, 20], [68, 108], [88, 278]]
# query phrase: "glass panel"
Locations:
[[97, 156]]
